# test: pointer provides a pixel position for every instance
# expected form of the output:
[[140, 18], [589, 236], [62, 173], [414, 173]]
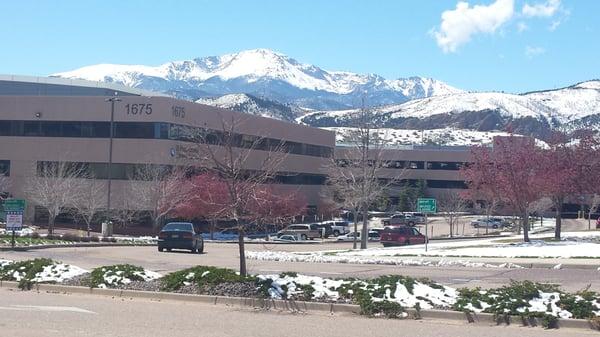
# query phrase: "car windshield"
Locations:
[[178, 226]]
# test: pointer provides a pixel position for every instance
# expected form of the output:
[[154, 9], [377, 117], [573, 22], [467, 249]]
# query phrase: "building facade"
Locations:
[[46, 121], [49, 120]]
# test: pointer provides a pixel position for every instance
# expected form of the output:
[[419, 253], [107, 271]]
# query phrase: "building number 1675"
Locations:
[[138, 109]]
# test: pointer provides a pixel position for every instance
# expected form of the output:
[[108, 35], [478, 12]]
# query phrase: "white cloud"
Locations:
[[546, 9], [522, 26], [554, 25], [460, 24], [532, 52]]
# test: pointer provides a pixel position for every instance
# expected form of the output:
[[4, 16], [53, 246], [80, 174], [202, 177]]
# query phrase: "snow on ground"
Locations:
[[112, 277], [58, 273], [328, 257], [401, 137], [426, 295], [574, 245], [5, 262]]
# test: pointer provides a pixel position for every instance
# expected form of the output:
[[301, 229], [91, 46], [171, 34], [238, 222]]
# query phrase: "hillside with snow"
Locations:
[[534, 113], [264, 73], [254, 105], [437, 137]]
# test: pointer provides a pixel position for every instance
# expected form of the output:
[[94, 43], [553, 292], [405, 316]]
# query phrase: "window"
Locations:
[[151, 130], [455, 184], [5, 167], [441, 165]]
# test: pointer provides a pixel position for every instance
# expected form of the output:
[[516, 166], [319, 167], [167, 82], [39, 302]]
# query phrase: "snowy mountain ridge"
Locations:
[[534, 113], [267, 73]]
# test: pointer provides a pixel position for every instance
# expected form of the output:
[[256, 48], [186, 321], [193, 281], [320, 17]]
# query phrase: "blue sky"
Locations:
[[507, 45]]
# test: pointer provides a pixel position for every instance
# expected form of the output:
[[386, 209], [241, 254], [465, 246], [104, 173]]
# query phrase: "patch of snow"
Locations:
[[58, 273]]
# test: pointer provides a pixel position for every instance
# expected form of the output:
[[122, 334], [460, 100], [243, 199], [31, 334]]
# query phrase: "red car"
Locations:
[[404, 235], [598, 223]]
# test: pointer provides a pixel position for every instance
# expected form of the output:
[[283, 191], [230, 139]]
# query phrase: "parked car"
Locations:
[[598, 223], [180, 235], [338, 227], [494, 223], [349, 236], [418, 217], [286, 238], [399, 220], [324, 226], [303, 231], [375, 234], [403, 235]]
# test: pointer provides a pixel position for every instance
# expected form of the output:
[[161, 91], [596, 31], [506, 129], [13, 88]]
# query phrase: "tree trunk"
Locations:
[[355, 214], [51, 220], [525, 223], [557, 228], [212, 229], [242, 250], [365, 229], [88, 229], [451, 227]]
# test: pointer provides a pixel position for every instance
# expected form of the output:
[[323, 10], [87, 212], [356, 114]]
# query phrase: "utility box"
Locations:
[[107, 229]]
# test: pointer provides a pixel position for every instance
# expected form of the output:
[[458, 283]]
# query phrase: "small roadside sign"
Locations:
[[426, 205], [14, 221], [14, 209]]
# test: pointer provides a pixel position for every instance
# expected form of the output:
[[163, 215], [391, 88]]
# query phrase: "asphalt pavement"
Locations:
[[226, 255], [32, 314]]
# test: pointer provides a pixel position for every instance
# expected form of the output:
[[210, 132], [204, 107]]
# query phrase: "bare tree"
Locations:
[[57, 186], [158, 189], [91, 199], [541, 205], [359, 165], [452, 205], [343, 190], [594, 202], [230, 155]]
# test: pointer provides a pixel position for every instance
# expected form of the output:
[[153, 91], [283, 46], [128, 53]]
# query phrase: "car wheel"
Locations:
[[336, 233], [303, 237], [201, 249], [475, 225], [386, 244], [406, 243], [160, 249], [411, 224], [193, 250], [495, 226]]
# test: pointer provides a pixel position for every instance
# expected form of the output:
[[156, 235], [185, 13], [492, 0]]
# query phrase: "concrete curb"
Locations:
[[293, 306], [74, 245]]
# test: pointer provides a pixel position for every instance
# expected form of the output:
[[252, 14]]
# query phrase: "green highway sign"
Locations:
[[14, 205], [426, 205]]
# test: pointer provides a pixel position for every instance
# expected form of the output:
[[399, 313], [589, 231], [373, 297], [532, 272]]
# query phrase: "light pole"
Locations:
[[112, 101]]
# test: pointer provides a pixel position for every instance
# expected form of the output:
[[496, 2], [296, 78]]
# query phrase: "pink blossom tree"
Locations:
[[510, 171]]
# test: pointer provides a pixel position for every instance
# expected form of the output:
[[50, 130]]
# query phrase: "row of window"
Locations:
[[4, 167], [121, 171], [429, 183], [155, 130], [405, 164]]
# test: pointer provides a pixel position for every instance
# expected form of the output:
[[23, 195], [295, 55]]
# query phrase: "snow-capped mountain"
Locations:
[[254, 105], [264, 73], [533, 113]]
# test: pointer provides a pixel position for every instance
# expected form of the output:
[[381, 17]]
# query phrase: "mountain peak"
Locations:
[[264, 72]]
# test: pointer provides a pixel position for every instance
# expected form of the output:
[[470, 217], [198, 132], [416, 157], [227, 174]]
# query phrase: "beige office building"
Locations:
[[52, 120]]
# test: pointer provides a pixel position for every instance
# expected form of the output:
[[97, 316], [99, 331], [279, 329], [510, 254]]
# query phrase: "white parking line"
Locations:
[[46, 308]]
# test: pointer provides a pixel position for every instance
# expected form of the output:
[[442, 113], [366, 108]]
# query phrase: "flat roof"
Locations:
[[78, 83]]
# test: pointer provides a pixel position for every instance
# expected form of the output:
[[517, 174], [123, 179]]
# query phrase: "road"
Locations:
[[226, 255], [31, 314]]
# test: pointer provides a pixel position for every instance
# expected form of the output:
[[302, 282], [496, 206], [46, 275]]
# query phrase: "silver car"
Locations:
[[494, 223]]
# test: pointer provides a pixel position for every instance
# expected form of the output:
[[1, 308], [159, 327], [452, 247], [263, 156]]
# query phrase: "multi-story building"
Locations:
[[55, 120], [49, 120]]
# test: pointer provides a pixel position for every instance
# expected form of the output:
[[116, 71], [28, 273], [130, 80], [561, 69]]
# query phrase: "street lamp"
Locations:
[[112, 101]]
